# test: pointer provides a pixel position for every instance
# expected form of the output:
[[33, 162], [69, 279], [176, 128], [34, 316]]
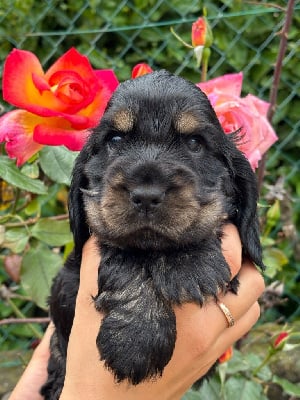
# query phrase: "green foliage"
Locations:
[[35, 227], [39, 266], [12, 175], [57, 163], [246, 376]]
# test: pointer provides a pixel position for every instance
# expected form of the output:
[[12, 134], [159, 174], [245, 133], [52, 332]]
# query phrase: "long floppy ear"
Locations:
[[246, 218], [78, 223]]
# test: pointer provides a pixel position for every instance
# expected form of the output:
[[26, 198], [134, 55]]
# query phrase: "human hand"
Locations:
[[35, 374], [196, 350]]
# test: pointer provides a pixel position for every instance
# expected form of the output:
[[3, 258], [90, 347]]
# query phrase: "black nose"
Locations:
[[147, 198]]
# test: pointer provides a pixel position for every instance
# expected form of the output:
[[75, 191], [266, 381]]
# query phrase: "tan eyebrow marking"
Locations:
[[186, 122], [123, 120]]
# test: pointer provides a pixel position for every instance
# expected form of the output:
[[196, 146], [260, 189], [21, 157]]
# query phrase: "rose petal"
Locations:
[[16, 129], [230, 84], [281, 338], [227, 355], [140, 69], [261, 105], [108, 78], [18, 87], [92, 114], [72, 60], [22, 72], [56, 136], [199, 32], [71, 89], [40, 83], [257, 134]]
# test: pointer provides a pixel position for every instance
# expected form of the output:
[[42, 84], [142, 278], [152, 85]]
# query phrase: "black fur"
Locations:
[[155, 183]]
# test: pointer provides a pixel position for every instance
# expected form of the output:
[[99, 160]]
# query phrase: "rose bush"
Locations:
[[58, 107], [249, 114]]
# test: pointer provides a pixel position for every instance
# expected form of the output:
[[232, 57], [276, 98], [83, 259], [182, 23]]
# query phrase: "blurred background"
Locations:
[[118, 34]]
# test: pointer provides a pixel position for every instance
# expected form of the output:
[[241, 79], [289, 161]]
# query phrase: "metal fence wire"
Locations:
[[118, 34]]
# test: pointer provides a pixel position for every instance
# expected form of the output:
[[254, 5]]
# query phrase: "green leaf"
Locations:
[[241, 388], [54, 233], [11, 174], [39, 267], [274, 259], [237, 363], [57, 162], [191, 395], [16, 239], [289, 387], [31, 170], [33, 207], [210, 389]]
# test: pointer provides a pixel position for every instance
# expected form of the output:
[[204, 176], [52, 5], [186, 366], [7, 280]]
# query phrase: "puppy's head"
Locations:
[[159, 171]]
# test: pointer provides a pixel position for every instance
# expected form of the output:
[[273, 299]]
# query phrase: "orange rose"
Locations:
[[58, 107]]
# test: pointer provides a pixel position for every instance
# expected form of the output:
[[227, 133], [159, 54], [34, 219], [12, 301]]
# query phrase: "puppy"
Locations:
[[155, 183]]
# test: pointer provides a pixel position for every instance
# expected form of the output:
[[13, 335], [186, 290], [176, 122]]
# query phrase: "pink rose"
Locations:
[[246, 113]]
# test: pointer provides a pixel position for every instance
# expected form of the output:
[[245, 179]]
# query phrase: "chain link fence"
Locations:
[[118, 34]]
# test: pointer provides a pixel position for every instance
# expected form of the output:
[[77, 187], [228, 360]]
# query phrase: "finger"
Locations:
[[42, 350], [193, 319], [229, 336], [232, 248], [240, 329], [85, 311], [35, 375], [89, 268], [250, 289]]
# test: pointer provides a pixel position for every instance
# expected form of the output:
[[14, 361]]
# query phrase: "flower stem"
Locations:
[[276, 80], [204, 64], [262, 364]]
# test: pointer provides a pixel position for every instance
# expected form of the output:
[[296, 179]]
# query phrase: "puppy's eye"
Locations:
[[194, 143], [115, 139]]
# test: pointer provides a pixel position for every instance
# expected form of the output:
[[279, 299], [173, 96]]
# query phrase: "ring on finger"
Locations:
[[225, 310]]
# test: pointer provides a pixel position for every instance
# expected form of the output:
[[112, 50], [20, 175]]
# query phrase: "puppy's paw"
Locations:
[[137, 347], [233, 285]]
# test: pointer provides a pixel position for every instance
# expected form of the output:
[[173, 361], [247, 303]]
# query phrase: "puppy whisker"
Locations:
[[90, 193]]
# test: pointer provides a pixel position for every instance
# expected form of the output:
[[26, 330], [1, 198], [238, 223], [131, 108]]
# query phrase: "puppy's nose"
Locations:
[[147, 198]]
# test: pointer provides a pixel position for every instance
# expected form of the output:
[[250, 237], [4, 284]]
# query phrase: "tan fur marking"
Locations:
[[123, 120], [186, 123], [115, 213], [117, 180]]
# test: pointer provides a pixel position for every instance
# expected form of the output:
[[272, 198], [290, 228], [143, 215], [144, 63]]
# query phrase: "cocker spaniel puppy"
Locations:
[[155, 183]]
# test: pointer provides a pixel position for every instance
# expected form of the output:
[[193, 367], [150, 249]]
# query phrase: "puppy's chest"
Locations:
[[176, 276]]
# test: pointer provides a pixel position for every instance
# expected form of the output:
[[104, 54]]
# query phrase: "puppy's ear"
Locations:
[[78, 223], [246, 218]]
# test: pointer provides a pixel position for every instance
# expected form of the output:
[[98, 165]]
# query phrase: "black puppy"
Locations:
[[155, 183]]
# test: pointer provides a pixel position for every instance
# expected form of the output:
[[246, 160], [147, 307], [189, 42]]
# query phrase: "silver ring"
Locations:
[[227, 313]]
